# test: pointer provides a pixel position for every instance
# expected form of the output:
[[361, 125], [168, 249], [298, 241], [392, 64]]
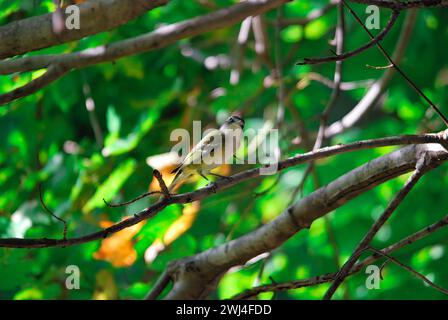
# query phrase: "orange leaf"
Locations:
[[118, 249]]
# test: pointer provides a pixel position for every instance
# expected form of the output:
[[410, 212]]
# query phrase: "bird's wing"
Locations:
[[212, 140]]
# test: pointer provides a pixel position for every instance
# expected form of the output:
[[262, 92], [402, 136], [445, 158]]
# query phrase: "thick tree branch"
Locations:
[[290, 285], [95, 17], [196, 276], [157, 39], [219, 185]]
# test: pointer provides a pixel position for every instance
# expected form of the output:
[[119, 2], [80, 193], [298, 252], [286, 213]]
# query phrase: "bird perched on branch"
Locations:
[[216, 148]]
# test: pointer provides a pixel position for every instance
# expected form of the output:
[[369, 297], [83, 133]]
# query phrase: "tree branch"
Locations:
[[371, 43], [377, 88], [196, 276], [400, 5], [161, 284], [344, 86], [95, 17], [290, 285], [406, 165], [337, 79], [157, 39], [396, 67], [53, 73], [420, 170], [407, 268]]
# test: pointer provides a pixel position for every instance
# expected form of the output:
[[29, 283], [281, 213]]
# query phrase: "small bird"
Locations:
[[212, 151]]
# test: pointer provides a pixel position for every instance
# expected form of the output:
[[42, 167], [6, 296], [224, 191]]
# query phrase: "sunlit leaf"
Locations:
[[111, 185]]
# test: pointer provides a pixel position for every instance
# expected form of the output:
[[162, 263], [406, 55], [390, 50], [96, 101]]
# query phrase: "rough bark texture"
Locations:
[[159, 38], [196, 276], [95, 16]]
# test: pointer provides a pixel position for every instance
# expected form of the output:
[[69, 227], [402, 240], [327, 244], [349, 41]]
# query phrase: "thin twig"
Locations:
[[379, 37], [261, 269], [299, 188], [402, 5], [64, 232], [405, 267], [339, 41], [378, 87], [396, 67], [163, 187], [410, 183], [344, 86], [279, 73], [123, 204]]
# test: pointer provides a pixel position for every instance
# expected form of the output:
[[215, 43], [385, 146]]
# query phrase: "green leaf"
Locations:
[[15, 268], [111, 186], [113, 120], [316, 29], [292, 33], [124, 145], [115, 146]]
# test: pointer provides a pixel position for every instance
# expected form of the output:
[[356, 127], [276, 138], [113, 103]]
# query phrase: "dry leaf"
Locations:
[[118, 249]]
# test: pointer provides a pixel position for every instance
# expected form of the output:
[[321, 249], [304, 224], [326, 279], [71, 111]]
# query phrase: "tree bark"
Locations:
[[95, 17], [196, 276]]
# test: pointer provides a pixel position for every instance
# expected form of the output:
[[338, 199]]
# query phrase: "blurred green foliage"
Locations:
[[49, 138]]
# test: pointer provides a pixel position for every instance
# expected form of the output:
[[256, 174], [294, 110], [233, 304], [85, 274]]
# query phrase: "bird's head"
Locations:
[[234, 122]]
